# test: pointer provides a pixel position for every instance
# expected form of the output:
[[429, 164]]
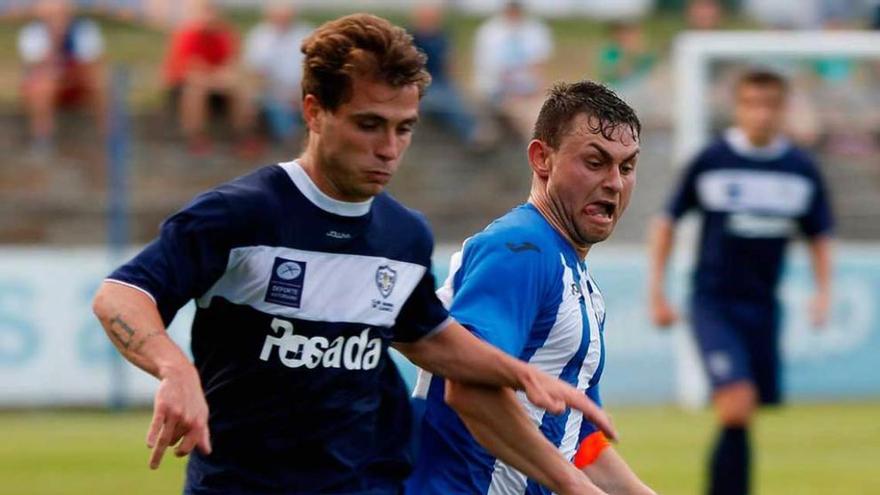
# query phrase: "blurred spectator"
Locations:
[[704, 15], [202, 75], [781, 14], [442, 100], [272, 53], [625, 60], [510, 54], [629, 66], [62, 56]]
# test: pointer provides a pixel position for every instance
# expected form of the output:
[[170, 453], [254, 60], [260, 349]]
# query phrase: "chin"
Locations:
[[594, 236]]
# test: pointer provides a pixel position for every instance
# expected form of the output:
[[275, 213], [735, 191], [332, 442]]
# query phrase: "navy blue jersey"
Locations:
[[752, 201], [520, 286], [298, 298]]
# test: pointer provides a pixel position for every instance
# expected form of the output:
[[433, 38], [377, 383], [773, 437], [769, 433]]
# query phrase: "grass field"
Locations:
[[804, 450]]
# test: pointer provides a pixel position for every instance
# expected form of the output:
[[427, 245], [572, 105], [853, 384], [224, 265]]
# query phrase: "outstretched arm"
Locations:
[[180, 412], [456, 354], [499, 423], [660, 243], [610, 472]]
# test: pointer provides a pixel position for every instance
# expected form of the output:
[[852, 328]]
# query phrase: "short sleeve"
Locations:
[[684, 197], [498, 291], [88, 42], [422, 314], [34, 43], [818, 219], [187, 258]]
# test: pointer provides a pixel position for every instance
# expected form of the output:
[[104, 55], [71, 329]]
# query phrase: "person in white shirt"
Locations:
[[62, 59], [272, 54], [510, 54]]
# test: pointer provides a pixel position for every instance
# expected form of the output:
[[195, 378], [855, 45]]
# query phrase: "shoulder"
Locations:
[[403, 223], [537, 27], [802, 161], [492, 27], [254, 197], [520, 236], [33, 29], [716, 148]]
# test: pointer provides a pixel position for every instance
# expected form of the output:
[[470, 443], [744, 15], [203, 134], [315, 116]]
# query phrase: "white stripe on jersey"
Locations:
[[326, 296], [562, 342], [755, 191]]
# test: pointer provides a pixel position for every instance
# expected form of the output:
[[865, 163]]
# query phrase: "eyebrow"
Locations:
[[373, 115], [607, 156]]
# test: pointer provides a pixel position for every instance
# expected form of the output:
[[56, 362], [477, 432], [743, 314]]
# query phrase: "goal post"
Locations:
[[693, 52]]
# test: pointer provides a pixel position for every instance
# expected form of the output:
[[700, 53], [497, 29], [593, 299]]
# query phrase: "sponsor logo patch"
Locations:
[[286, 283]]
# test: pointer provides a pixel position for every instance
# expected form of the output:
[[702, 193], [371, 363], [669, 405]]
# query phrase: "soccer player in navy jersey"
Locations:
[[304, 273], [754, 191], [522, 284]]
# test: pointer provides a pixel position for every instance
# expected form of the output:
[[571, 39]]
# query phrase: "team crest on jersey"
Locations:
[[385, 279], [286, 282]]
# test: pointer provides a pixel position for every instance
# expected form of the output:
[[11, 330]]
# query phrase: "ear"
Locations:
[[539, 158], [313, 113]]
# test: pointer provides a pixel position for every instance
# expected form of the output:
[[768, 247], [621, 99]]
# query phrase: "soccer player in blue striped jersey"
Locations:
[[523, 284], [304, 273], [754, 191]]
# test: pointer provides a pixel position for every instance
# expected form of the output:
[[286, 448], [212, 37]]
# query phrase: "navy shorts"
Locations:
[[739, 341]]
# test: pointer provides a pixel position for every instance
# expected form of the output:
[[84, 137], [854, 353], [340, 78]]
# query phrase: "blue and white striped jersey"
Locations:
[[520, 286], [298, 298]]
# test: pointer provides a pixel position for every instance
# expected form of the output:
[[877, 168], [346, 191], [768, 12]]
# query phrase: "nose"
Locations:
[[388, 147], [613, 180]]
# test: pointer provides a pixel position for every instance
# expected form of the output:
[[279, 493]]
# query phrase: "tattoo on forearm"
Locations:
[[128, 336]]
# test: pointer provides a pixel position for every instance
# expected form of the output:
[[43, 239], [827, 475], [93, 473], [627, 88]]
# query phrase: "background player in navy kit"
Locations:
[[754, 191], [304, 273], [523, 285]]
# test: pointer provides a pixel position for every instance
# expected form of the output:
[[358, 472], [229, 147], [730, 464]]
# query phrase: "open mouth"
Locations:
[[601, 209]]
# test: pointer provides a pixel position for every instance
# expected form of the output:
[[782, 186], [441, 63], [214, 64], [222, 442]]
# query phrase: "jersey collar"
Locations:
[[307, 187], [740, 144]]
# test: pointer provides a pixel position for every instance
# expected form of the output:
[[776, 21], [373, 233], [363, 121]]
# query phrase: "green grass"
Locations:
[[802, 450]]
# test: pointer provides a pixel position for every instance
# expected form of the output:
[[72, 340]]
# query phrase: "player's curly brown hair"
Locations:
[[359, 45]]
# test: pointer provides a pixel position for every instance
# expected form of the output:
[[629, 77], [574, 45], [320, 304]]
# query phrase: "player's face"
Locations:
[[362, 141], [592, 179], [760, 110]]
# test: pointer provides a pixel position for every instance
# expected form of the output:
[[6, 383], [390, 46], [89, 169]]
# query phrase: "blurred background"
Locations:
[[114, 113]]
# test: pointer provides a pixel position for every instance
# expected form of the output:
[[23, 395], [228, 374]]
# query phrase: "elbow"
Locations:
[[101, 304]]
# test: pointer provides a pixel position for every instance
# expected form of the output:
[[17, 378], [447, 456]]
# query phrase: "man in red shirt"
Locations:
[[201, 72]]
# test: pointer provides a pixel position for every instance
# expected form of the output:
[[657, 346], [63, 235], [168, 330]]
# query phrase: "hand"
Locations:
[[554, 395], [820, 305], [180, 414], [662, 313]]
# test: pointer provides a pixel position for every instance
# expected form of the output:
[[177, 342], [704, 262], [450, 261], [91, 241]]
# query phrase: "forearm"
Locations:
[[132, 322], [612, 474], [659, 248], [456, 354], [820, 255], [499, 423]]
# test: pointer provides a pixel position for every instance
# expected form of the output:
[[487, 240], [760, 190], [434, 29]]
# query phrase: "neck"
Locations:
[[309, 162], [760, 140], [554, 215]]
